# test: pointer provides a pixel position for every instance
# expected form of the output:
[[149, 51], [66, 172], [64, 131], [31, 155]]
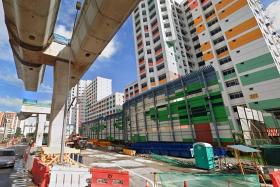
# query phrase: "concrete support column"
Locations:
[[40, 129], [60, 92], [55, 130]]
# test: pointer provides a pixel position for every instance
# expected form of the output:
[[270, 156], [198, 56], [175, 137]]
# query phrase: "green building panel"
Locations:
[[271, 122], [265, 104], [260, 76], [254, 63]]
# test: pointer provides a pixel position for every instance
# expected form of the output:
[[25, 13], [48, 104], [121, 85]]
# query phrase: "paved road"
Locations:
[[17, 176]]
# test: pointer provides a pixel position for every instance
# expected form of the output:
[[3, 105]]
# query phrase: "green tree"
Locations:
[[18, 132]]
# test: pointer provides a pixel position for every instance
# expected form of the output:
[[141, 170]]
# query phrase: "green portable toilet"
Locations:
[[204, 155]]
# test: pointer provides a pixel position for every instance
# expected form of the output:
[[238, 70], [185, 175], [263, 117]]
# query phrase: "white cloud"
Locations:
[[273, 11], [5, 50], [45, 88], [61, 30], [10, 102], [109, 50], [10, 78]]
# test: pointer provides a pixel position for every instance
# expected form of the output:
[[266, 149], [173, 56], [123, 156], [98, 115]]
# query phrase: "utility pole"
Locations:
[[78, 110]]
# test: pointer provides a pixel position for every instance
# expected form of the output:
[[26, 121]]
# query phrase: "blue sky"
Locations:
[[117, 62]]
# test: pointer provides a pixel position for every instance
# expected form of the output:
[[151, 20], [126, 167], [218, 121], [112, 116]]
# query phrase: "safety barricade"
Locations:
[[29, 162], [62, 176], [40, 173], [275, 177], [109, 178]]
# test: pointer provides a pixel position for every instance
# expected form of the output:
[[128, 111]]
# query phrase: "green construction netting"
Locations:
[[173, 179], [172, 161]]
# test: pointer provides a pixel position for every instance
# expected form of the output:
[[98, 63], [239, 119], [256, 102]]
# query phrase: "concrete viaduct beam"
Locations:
[[30, 26]]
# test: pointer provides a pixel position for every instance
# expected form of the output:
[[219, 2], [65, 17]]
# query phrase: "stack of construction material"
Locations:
[[100, 143], [51, 156]]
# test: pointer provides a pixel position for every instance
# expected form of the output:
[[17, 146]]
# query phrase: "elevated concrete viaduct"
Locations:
[[30, 26]]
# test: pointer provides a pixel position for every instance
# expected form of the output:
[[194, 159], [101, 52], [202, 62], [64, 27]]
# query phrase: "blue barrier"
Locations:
[[176, 149]]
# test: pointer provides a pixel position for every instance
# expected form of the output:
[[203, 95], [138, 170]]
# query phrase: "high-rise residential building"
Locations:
[[234, 36], [271, 37], [163, 50], [98, 89], [106, 106], [131, 90], [233, 40], [77, 96]]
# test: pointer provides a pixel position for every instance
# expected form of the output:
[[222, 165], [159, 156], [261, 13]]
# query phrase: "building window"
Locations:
[[218, 40], [160, 67], [166, 25], [235, 95], [232, 83], [143, 85], [224, 60], [162, 77], [168, 34], [228, 71], [165, 17], [163, 9], [221, 50], [215, 31]]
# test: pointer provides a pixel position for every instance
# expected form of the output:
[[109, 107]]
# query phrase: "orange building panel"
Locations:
[[232, 8], [208, 56], [200, 28], [206, 46], [245, 39], [163, 81], [197, 20], [246, 25], [222, 4]]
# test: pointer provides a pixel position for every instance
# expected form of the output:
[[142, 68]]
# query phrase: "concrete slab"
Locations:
[[140, 169]]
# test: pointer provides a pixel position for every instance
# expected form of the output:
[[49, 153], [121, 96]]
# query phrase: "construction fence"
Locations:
[[189, 109]]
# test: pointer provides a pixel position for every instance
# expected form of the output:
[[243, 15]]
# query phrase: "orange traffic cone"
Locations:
[[185, 184], [147, 184]]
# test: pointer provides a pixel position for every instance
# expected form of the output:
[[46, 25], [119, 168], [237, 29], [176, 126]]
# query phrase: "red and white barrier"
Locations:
[[275, 177], [109, 178], [63, 176], [41, 173]]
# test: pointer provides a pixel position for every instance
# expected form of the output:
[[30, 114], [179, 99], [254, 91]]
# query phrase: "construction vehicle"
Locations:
[[77, 141]]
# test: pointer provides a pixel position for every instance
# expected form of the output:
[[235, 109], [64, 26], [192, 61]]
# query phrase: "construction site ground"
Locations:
[[141, 168]]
